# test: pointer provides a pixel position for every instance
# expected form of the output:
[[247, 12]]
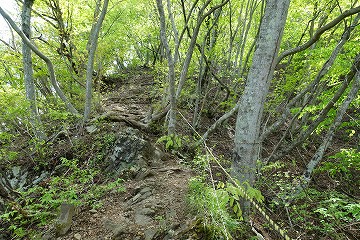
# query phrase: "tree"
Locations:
[[336, 123], [48, 62], [251, 105], [171, 66], [28, 70], [93, 40]]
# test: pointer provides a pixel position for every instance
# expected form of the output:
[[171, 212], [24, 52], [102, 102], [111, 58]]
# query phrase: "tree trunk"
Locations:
[[28, 70], [48, 62], [331, 132], [309, 89], [247, 144], [190, 51], [93, 40], [318, 33], [171, 68], [322, 115]]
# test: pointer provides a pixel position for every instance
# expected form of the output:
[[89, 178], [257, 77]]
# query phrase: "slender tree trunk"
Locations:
[[28, 70], [171, 68], [331, 132], [175, 31], [93, 40], [322, 115], [190, 51], [318, 33], [309, 89], [247, 144], [27, 60]]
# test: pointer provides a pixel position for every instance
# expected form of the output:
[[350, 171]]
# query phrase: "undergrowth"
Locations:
[[217, 204], [211, 206], [71, 163], [319, 210], [37, 206]]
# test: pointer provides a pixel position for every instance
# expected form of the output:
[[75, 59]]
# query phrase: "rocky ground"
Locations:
[[153, 205]]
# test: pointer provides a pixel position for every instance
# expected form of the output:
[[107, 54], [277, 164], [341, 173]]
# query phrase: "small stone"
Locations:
[[77, 236], [64, 221], [93, 211], [91, 128], [149, 234], [147, 211]]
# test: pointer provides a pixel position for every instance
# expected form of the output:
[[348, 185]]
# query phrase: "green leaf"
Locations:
[[231, 202]]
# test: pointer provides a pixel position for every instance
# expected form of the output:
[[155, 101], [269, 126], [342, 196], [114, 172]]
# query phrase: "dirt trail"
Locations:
[[152, 207], [153, 204]]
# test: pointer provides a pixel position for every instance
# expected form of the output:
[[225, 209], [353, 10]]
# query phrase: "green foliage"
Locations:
[[219, 208], [171, 142], [201, 163], [338, 209], [281, 179], [14, 121], [235, 193], [343, 167], [14, 113], [327, 213], [344, 161], [212, 206], [37, 205]]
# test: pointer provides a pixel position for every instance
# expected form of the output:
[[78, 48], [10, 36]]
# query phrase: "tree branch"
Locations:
[[43, 57], [318, 34]]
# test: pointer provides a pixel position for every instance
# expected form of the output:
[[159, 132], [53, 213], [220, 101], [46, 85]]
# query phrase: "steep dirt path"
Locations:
[[129, 95], [153, 205]]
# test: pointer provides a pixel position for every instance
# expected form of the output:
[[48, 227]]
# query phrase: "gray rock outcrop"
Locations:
[[131, 151]]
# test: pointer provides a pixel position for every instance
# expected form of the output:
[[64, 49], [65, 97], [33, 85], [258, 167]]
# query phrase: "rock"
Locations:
[[93, 211], [143, 194], [40, 178], [64, 221], [91, 128], [49, 234], [145, 190], [131, 150], [143, 216], [77, 236], [17, 178], [142, 220], [117, 229], [147, 211], [144, 174], [150, 233]]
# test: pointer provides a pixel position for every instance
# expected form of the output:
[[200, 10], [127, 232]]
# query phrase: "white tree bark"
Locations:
[[247, 144], [93, 40]]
